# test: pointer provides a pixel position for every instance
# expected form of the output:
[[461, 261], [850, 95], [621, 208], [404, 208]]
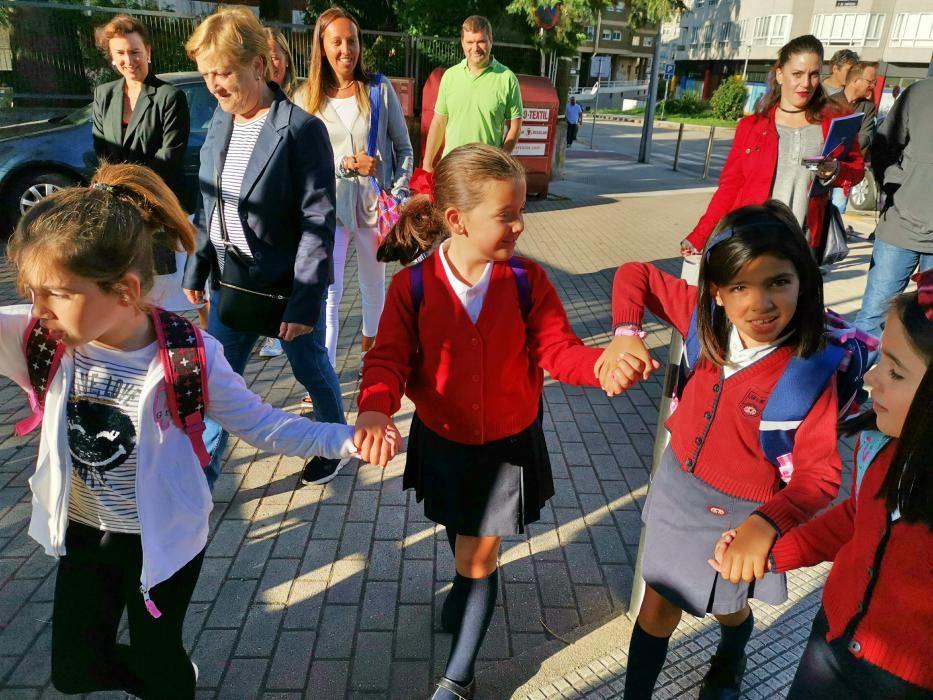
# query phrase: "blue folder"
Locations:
[[843, 132]]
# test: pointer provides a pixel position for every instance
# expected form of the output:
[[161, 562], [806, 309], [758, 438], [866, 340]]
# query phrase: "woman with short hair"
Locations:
[[267, 191]]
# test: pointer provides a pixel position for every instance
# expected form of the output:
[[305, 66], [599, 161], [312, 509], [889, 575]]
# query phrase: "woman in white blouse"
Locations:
[[337, 91]]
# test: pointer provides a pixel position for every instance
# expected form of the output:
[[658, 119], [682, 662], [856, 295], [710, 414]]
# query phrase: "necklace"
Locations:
[[792, 111], [344, 87]]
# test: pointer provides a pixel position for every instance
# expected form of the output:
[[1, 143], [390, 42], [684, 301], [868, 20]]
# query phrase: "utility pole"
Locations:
[[748, 50], [644, 149]]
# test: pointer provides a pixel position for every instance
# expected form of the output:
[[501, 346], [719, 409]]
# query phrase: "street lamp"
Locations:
[[748, 50]]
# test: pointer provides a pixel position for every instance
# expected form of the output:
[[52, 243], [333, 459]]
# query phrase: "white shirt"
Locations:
[[347, 108], [471, 297], [741, 357]]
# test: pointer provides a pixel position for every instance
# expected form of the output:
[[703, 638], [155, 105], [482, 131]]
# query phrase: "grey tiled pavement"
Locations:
[[335, 591]]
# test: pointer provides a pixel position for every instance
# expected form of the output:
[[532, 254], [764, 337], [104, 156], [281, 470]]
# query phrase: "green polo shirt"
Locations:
[[477, 107]]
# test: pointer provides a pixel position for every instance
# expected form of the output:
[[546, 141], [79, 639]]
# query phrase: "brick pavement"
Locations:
[[335, 591]]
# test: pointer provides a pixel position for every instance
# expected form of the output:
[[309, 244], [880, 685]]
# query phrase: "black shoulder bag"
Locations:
[[246, 301]]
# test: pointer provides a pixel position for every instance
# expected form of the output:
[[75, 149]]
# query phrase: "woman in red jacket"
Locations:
[[790, 123], [873, 636]]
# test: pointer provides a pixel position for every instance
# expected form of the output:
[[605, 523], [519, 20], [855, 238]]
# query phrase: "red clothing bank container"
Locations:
[[535, 147]]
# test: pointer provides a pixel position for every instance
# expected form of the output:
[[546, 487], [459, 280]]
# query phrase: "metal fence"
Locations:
[[52, 55]]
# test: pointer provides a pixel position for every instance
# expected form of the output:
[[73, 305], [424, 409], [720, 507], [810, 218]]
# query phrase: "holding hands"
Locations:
[[624, 363], [742, 554], [377, 439]]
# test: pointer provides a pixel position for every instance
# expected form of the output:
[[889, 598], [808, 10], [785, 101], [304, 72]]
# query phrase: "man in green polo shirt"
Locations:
[[478, 101]]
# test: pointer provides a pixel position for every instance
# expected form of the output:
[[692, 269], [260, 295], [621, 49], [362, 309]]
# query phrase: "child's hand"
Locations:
[[725, 539], [623, 363], [746, 557], [376, 438]]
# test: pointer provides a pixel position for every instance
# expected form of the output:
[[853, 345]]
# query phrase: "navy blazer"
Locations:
[[157, 134], [287, 205]]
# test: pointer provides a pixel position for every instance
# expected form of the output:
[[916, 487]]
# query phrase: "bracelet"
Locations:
[[629, 329]]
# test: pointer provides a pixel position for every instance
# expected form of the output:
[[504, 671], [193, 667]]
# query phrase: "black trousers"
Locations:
[[572, 133], [828, 671], [98, 578]]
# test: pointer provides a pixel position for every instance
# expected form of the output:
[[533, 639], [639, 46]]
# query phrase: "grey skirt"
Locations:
[[684, 517]]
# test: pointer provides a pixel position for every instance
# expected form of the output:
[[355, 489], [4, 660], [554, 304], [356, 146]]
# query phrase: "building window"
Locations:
[[606, 35], [647, 41], [636, 40], [695, 36], [589, 33], [914, 29], [771, 30], [707, 34], [725, 32], [849, 29], [741, 31], [617, 36], [619, 7]]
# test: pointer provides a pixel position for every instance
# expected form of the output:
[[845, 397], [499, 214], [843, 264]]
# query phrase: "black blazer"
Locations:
[[157, 134], [287, 205]]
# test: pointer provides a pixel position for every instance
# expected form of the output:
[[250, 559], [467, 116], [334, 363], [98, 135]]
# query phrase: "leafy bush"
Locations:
[[729, 99], [687, 105]]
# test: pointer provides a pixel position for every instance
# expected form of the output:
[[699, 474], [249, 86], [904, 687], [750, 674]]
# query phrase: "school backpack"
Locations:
[[181, 350], [845, 355], [518, 272]]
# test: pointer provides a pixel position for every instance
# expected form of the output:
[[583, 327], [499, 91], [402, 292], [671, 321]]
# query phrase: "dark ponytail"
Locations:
[[416, 231]]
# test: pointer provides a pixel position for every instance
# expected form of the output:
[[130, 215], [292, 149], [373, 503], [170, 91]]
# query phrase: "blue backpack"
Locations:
[[518, 271], [845, 355]]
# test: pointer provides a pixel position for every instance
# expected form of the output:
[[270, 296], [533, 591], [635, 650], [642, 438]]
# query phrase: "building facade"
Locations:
[[718, 38], [621, 52]]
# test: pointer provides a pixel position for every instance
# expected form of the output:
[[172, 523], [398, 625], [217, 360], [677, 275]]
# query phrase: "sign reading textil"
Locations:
[[535, 114]]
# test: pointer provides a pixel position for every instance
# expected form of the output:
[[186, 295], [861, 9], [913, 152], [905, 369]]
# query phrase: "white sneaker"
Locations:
[[271, 348]]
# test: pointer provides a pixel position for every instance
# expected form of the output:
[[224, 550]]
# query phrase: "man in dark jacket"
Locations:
[[902, 161], [859, 96]]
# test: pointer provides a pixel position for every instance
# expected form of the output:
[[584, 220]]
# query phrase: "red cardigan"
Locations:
[[881, 580], [748, 176], [715, 429], [472, 383]]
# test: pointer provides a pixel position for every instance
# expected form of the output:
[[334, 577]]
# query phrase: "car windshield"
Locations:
[[79, 116]]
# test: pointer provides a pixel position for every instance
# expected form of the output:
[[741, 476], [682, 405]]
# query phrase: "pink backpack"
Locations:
[[181, 350]]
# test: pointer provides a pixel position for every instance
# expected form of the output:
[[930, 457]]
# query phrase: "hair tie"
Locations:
[[112, 189], [924, 282]]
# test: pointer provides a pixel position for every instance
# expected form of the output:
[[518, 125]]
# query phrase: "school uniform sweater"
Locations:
[[472, 383], [878, 592], [715, 429]]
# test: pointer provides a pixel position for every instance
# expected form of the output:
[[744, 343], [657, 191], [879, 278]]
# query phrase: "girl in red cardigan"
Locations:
[[465, 334], [791, 122], [759, 302], [873, 636]]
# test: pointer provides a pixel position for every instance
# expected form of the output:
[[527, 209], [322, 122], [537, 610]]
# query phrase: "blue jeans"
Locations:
[[307, 356], [888, 274], [840, 199]]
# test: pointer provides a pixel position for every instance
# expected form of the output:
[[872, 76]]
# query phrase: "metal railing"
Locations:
[[607, 87], [53, 53]]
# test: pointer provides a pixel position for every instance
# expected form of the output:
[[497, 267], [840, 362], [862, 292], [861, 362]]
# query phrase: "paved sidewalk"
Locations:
[[335, 591]]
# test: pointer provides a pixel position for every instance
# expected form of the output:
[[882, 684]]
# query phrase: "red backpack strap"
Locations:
[[181, 349], [43, 355]]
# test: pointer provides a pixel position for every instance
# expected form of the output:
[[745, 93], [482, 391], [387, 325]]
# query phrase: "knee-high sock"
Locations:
[[646, 655], [479, 603], [734, 639]]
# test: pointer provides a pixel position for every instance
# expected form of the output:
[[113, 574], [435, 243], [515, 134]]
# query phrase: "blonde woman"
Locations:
[[337, 91], [267, 190]]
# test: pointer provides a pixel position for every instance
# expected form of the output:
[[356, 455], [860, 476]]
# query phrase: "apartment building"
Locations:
[[622, 53], [717, 38]]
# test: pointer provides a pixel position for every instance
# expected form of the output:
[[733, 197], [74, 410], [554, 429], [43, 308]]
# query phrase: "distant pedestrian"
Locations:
[[118, 493], [478, 101], [859, 96], [790, 122], [466, 334], [902, 162], [758, 304], [872, 635], [573, 114], [839, 66]]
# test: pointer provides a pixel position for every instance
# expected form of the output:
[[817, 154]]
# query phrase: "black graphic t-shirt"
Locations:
[[103, 422]]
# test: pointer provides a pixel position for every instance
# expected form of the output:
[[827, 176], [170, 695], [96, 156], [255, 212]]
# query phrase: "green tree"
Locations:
[[728, 102]]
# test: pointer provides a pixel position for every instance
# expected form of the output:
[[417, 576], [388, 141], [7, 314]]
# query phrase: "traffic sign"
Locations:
[[668, 71]]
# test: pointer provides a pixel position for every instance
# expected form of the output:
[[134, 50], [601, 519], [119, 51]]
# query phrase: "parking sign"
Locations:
[[668, 71]]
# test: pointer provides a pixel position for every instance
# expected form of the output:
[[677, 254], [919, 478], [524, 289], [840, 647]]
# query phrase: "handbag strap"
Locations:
[[375, 102]]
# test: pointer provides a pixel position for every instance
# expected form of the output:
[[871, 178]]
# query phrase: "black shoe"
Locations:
[[723, 681], [448, 690], [320, 470]]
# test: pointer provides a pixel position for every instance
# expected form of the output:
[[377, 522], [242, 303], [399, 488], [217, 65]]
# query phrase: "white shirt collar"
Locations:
[[470, 296], [741, 357]]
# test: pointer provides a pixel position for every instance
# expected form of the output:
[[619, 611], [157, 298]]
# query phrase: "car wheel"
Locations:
[[25, 191], [864, 195]]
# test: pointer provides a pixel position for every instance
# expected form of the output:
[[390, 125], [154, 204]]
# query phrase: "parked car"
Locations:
[[40, 157], [864, 195]]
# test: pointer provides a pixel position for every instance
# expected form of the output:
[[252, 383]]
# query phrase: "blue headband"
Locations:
[[729, 232]]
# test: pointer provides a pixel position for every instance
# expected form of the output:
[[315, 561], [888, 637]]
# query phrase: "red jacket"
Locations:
[[472, 383], [881, 581], [715, 429], [748, 176]]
